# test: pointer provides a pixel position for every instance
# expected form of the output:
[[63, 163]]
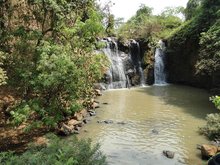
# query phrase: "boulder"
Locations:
[[83, 112], [78, 116], [66, 130], [98, 92], [92, 113], [108, 122], [95, 105], [208, 151], [168, 154], [72, 122]]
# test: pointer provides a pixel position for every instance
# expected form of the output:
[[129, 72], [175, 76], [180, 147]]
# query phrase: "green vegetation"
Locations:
[[212, 127], [145, 25], [199, 38], [59, 152], [47, 50]]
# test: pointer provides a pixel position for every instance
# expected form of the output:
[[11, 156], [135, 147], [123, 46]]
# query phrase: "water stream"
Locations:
[[147, 121], [159, 66]]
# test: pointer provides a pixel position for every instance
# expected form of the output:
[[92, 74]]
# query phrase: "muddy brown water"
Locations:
[[147, 121]]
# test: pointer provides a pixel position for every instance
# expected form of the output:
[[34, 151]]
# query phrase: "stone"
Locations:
[[66, 130], [154, 131], [92, 113], [85, 121], [83, 112], [77, 128], [72, 122], [105, 103], [168, 154], [121, 122], [108, 122], [98, 92], [208, 151], [78, 116], [95, 105]]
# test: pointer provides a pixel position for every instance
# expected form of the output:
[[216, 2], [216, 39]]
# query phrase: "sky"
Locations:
[[128, 8]]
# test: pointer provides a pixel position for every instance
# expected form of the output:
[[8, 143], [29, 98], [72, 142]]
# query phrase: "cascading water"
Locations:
[[159, 66], [116, 73]]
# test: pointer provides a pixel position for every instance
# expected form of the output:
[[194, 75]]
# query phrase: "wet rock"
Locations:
[[72, 122], [92, 113], [105, 103], [85, 121], [154, 131], [98, 92], [208, 151], [121, 122], [66, 130], [77, 128], [108, 122], [95, 105], [168, 154]]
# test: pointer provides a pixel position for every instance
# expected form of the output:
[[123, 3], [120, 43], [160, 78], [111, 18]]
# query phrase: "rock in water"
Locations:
[[168, 154]]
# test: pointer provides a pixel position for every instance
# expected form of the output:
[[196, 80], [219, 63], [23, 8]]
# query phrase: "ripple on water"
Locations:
[[157, 119]]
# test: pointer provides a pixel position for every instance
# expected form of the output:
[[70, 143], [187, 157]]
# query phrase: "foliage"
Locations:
[[209, 56], [145, 25], [216, 101], [192, 8], [50, 60], [59, 152], [212, 127]]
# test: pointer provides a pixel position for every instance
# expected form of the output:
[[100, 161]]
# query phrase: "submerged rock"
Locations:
[[121, 122], [168, 154], [106, 121], [154, 131]]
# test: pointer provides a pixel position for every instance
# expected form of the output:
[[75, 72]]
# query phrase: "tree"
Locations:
[[192, 8]]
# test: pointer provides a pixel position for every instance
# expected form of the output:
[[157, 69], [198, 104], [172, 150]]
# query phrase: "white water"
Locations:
[[159, 66], [116, 71]]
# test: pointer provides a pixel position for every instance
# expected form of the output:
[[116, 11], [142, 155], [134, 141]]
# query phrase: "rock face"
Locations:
[[182, 58]]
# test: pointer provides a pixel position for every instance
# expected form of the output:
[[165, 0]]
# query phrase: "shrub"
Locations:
[[212, 127], [58, 152]]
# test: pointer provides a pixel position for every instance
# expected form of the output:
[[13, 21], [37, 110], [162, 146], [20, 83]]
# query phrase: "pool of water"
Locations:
[[147, 121]]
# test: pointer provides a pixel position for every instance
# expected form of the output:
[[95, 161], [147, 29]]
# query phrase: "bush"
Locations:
[[212, 127], [58, 152]]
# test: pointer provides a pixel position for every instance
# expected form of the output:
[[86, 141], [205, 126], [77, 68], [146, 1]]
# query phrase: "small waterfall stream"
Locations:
[[123, 66], [159, 66], [116, 72]]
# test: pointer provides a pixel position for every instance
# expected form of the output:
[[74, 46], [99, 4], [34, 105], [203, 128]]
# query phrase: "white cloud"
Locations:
[[128, 8]]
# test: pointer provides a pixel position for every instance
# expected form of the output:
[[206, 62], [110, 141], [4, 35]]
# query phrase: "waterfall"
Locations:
[[159, 66], [116, 73], [137, 60]]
